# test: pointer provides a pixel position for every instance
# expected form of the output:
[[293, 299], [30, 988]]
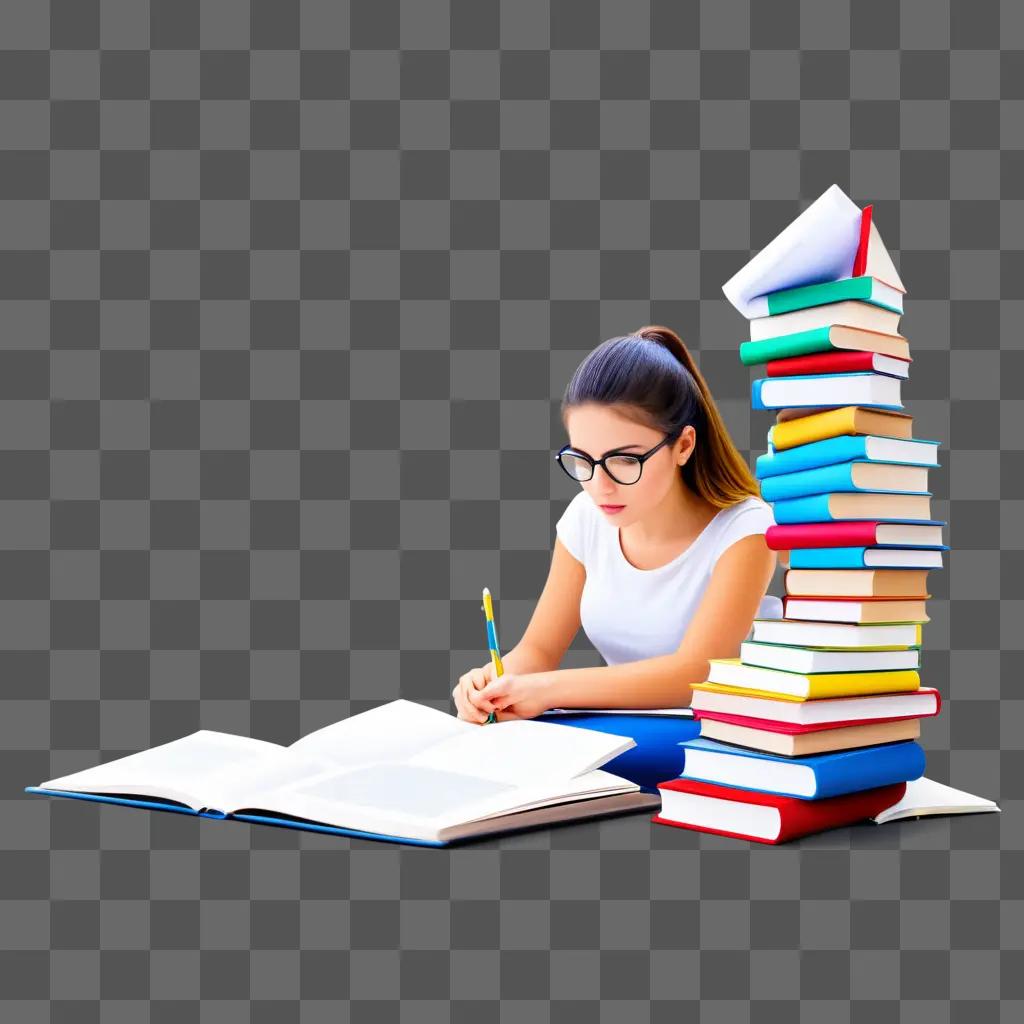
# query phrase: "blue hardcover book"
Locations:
[[657, 755], [846, 448], [827, 389], [840, 477], [855, 558], [815, 508], [807, 778]]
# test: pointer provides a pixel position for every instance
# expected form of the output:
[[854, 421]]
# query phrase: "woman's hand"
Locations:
[[517, 696], [467, 693]]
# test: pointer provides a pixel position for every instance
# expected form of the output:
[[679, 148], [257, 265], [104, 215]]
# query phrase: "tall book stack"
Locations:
[[816, 723]]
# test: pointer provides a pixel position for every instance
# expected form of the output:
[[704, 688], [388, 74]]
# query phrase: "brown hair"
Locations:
[[653, 371]]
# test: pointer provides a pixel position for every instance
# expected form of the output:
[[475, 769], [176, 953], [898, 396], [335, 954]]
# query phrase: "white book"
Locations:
[[848, 313], [810, 660], [398, 770], [925, 796], [818, 245], [827, 389]]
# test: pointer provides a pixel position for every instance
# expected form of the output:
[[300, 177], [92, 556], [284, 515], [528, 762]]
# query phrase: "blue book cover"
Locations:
[[837, 402], [814, 508], [849, 558], [823, 480], [834, 773], [845, 448], [657, 755]]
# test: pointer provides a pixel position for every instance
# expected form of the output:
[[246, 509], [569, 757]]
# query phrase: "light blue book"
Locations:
[[846, 448], [866, 558], [858, 475], [827, 508]]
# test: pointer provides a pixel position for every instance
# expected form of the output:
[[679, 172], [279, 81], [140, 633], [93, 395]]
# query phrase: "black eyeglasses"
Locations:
[[622, 467]]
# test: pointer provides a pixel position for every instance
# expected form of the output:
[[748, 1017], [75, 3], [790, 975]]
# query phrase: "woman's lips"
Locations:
[[611, 509]]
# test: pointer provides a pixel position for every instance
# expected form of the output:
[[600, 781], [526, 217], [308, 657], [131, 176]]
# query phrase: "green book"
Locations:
[[829, 338], [864, 288], [752, 353]]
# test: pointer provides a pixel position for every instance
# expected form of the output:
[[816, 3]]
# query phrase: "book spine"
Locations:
[[753, 353], [838, 534], [814, 428], [866, 767], [828, 558], [812, 509], [840, 361], [791, 299], [810, 456], [820, 480]]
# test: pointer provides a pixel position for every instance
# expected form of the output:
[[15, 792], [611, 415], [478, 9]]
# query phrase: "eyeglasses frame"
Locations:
[[594, 463]]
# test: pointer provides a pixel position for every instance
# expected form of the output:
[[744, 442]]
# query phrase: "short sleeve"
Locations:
[[573, 527], [755, 518]]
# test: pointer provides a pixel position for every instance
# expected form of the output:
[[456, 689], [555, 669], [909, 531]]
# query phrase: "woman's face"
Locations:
[[596, 430]]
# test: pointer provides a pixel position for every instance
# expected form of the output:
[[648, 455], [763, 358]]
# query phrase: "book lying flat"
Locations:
[[903, 583], [809, 741], [873, 505], [866, 558], [810, 685], [845, 635], [858, 533], [838, 362], [809, 778], [765, 817], [817, 389], [791, 658], [401, 772], [846, 448], [816, 426], [862, 287], [856, 611], [828, 340], [843, 477], [827, 712], [851, 313]]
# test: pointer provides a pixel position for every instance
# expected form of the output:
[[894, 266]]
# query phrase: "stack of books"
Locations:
[[816, 723]]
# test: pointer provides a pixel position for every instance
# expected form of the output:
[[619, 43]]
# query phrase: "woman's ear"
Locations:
[[685, 444]]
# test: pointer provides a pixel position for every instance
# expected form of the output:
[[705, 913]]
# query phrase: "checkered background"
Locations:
[[289, 294]]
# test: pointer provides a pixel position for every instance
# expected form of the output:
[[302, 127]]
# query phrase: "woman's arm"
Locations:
[[722, 620]]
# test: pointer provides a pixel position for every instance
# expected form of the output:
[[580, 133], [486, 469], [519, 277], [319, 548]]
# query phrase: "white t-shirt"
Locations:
[[630, 613]]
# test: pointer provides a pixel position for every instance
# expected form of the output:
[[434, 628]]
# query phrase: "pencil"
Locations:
[[492, 643]]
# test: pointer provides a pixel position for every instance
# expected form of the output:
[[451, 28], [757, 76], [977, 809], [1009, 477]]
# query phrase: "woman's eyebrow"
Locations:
[[610, 451]]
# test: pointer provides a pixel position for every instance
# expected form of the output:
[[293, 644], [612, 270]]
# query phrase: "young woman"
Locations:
[[661, 556]]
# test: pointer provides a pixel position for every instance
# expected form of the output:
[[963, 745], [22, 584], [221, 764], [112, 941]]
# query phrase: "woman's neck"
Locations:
[[681, 515]]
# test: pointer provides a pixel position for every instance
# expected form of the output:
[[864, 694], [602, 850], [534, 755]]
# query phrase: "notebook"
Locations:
[[401, 771]]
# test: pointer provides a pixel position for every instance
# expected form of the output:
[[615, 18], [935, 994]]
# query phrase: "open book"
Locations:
[[400, 771], [926, 796]]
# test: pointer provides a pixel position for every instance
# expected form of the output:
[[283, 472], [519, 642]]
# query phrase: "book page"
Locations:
[[523, 751], [392, 731], [181, 770]]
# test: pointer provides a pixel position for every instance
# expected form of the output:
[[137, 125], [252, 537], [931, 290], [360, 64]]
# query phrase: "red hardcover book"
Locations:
[[841, 533], [824, 362], [770, 817], [792, 728]]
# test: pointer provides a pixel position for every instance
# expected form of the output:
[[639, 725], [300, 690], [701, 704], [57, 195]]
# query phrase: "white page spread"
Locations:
[[179, 770]]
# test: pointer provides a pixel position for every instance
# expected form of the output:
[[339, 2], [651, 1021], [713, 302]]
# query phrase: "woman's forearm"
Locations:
[[661, 682], [525, 660]]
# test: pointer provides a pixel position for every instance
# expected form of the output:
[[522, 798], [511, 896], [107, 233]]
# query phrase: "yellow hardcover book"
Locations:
[[850, 419], [744, 691], [811, 685]]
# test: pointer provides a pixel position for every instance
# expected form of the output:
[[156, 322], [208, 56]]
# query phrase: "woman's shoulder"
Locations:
[[741, 519]]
